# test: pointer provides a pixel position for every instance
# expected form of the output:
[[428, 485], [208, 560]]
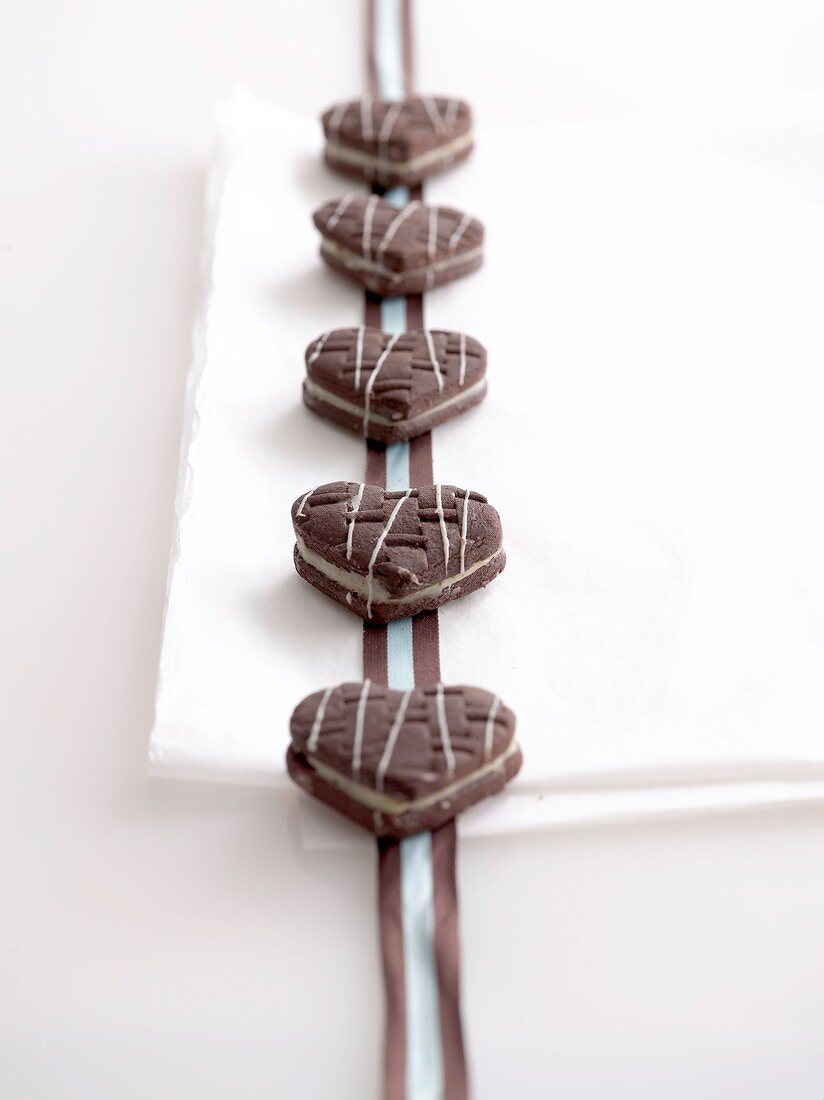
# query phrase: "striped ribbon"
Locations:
[[418, 903]]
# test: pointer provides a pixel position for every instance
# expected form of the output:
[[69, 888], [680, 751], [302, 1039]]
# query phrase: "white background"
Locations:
[[161, 939]]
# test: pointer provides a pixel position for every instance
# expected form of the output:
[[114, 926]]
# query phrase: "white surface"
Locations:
[[163, 939], [652, 439]]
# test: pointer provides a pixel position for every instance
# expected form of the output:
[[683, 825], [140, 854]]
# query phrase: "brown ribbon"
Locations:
[[447, 963], [426, 661], [390, 918], [447, 960]]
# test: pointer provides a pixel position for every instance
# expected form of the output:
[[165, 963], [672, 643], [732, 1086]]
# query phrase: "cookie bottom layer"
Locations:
[[411, 819], [344, 412], [396, 284], [386, 611]]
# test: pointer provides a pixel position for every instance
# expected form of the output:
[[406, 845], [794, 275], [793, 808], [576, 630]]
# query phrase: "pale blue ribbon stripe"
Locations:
[[399, 633], [389, 49], [424, 1057]]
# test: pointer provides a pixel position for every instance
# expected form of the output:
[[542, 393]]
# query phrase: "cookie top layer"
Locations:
[[403, 744], [395, 376], [397, 130], [410, 239], [400, 542]]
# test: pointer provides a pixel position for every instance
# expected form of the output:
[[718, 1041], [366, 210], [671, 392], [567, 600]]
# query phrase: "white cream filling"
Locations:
[[360, 263], [394, 807], [357, 157], [376, 418], [359, 584]]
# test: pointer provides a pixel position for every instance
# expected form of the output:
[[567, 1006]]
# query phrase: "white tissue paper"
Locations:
[[651, 304]]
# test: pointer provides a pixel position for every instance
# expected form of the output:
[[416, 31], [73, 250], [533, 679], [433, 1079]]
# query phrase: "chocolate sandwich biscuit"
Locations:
[[399, 762], [394, 252], [397, 142], [387, 555], [393, 387]]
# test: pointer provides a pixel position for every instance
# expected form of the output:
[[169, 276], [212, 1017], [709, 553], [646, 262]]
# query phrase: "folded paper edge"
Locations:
[[212, 207]]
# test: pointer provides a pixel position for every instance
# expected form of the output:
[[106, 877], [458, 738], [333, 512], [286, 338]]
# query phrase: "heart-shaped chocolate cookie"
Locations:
[[386, 555], [393, 251], [394, 142], [393, 387], [398, 762]]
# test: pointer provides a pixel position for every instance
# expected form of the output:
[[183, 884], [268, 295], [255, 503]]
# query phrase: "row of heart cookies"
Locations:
[[395, 387], [394, 761]]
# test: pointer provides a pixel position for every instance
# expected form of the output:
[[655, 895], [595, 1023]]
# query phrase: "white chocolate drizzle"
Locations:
[[318, 348], [490, 727], [460, 229], [339, 211], [370, 382], [395, 225], [451, 112], [431, 108], [368, 215], [385, 133], [444, 532], [464, 515], [462, 346], [351, 520], [443, 727], [433, 359], [432, 242], [388, 124], [357, 744], [358, 357], [336, 118], [374, 557], [300, 511], [314, 736], [383, 765]]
